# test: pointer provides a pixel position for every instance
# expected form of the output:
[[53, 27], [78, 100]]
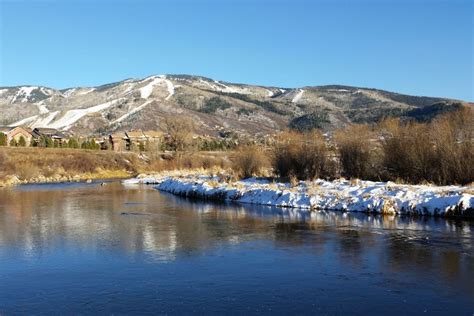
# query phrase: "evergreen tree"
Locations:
[[22, 142], [141, 146], [3, 139], [13, 143], [49, 142], [72, 143]]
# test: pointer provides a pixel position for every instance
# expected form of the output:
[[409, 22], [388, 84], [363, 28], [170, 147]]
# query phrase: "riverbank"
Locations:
[[50, 165], [338, 195]]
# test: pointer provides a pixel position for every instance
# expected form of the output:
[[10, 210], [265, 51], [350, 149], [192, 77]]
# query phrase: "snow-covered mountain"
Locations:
[[213, 105]]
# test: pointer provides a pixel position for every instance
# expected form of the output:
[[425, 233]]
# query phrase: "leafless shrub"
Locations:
[[249, 160], [179, 130], [440, 152], [358, 152], [303, 155]]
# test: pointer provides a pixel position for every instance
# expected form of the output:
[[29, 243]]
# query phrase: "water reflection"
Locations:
[[135, 220]]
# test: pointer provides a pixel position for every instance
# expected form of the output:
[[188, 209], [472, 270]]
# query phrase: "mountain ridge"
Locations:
[[143, 103]]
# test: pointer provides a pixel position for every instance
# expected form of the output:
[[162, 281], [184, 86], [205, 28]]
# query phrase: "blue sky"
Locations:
[[415, 47]]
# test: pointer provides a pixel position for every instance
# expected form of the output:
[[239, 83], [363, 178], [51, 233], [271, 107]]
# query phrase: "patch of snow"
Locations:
[[337, 195], [135, 110], [69, 92], [45, 91], [147, 90], [42, 107], [298, 96], [24, 121], [3, 91], [219, 86], [24, 93], [72, 116], [43, 122], [86, 92], [170, 87], [269, 93], [226, 89], [129, 89]]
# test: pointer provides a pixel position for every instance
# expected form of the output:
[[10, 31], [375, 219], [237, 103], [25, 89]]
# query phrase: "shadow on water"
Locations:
[[116, 228]]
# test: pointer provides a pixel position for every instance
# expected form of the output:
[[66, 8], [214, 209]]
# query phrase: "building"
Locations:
[[136, 140], [17, 135], [154, 139], [52, 133], [118, 141]]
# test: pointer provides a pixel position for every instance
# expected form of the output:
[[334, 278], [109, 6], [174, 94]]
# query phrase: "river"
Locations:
[[91, 248]]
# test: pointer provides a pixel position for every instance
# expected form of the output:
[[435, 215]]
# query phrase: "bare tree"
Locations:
[[180, 130]]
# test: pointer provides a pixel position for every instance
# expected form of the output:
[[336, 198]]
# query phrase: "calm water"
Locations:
[[86, 248]]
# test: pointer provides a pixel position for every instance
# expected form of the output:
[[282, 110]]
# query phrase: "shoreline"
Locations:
[[12, 181], [337, 195]]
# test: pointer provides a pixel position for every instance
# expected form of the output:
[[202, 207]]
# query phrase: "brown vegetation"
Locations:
[[179, 130], [302, 155], [249, 160], [440, 152], [29, 163], [357, 150]]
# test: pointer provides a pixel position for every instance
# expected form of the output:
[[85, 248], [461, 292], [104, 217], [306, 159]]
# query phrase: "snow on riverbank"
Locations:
[[338, 195]]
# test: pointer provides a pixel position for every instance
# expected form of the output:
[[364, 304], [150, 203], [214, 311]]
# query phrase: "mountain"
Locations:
[[215, 106]]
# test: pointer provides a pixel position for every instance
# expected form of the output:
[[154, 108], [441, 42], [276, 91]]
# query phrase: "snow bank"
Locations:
[[338, 195]]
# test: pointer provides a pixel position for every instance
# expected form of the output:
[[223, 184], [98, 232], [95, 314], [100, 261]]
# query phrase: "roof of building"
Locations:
[[120, 135], [135, 134], [51, 132], [5, 129], [153, 133]]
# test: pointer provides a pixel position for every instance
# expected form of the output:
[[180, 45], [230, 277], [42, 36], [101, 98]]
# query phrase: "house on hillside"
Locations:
[[57, 136], [17, 135]]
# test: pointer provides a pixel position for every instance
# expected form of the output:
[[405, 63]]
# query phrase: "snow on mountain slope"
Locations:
[[23, 94], [298, 96], [170, 87], [135, 110], [147, 90], [72, 116], [215, 105], [86, 92], [44, 121], [42, 108], [25, 121]]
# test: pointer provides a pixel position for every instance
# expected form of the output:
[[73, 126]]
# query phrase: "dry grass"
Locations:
[[30, 163], [187, 160]]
